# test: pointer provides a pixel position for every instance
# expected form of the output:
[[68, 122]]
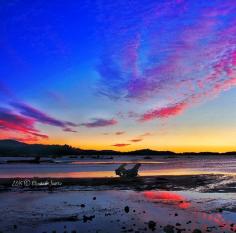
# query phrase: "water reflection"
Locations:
[[115, 162], [81, 168], [208, 220], [21, 173], [168, 197]]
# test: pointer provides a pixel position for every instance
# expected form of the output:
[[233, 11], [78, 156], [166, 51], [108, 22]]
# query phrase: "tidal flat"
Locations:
[[171, 195]]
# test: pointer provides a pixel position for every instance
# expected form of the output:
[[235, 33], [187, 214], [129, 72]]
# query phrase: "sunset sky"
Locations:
[[121, 75]]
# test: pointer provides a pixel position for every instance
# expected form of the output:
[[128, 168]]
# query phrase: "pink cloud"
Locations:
[[164, 112], [121, 144], [13, 123], [188, 60], [21, 122]]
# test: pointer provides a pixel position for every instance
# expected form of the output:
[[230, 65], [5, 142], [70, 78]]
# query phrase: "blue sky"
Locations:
[[156, 68]]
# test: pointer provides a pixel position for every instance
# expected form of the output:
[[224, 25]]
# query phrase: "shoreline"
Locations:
[[209, 183]]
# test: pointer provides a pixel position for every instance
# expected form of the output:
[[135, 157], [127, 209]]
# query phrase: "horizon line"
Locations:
[[128, 151]]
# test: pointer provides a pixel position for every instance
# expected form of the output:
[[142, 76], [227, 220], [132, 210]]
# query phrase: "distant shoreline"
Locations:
[[12, 148]]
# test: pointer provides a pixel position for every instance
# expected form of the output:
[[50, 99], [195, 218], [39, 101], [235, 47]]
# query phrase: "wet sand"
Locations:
[[165, 204], [209, 183], [117, 211]]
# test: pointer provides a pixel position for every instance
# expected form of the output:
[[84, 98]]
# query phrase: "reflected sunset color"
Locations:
[[182, 202]]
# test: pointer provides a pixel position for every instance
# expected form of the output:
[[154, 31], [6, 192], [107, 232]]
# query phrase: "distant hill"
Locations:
[[15, 148]]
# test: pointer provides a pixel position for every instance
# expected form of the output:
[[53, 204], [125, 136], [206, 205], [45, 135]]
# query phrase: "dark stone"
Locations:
[[169, 229], [88, 218], [94, 198], [82, 205], [152, 225], [197, 231], [178, 230], [72, 218], [126, 209]]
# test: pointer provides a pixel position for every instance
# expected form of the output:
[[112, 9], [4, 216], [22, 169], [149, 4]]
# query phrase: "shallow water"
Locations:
[[159, 165], [46, 212]]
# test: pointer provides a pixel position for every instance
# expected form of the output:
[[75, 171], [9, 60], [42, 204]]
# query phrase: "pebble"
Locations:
[[169, 229], [126, 209], [197, 231], [152, 225]]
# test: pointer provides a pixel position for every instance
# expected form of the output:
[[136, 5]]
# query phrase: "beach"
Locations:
[[99, 210], [196, 202]]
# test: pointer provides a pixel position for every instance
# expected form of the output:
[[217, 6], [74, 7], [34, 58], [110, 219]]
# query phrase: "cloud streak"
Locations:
[[99, 122], [165, 112], [20, 123], [121, 144], [136, 140], [42, 117], [119, 133], [11, 122]]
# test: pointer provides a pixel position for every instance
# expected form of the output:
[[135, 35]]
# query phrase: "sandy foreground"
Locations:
[[199, 203]]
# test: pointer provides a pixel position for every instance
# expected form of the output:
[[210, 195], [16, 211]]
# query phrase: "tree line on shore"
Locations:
[[15, 148]]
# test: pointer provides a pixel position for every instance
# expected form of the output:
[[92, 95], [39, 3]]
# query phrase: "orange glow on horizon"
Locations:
[[176, 140], [174, 148]]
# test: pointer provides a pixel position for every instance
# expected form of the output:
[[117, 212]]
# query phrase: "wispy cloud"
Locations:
[[120, 144], [13, 122], [136, 140], [188, 60], [42, 117], [70, 130], [146, 134], [20, 122], [164, 112], [99, 122], [119, 132]]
